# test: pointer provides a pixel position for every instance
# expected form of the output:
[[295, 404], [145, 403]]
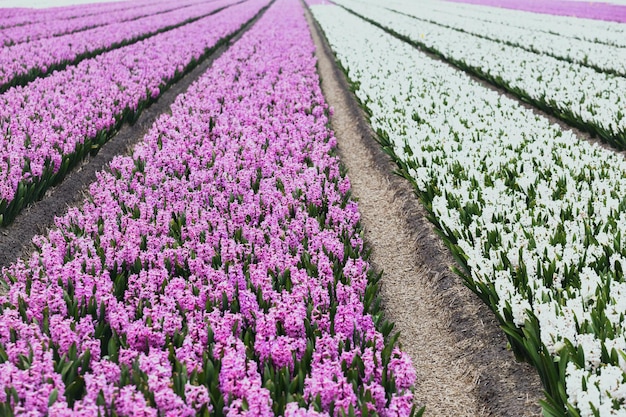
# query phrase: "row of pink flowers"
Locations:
[[217, 271], [44, 122], [11, 17], [25, 61], [55, 27]]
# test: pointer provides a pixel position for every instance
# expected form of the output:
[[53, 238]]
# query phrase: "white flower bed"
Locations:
[[600, 31], [537, 215], [599, 56], [596, 101]]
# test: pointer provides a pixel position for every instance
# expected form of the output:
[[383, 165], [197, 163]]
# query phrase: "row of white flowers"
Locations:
[[581, 95], [593, 30], [537, 215], [596, 55]]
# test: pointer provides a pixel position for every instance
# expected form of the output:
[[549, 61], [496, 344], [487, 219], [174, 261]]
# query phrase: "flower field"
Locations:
[[609, 10], [21, 16], [58, 26], [599, 47], [533, 214], [24, 62], [219, 267], [50, 135], [601, 32], [219, 270], [577, 93]]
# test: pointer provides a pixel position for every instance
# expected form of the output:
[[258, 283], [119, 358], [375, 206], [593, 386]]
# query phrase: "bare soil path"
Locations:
[[459, 352]]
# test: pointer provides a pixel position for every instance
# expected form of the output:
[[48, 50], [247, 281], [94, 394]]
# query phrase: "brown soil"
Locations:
[[459, 352]]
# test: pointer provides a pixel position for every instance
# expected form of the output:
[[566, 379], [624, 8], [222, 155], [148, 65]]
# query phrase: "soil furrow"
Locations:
[[459, 352], [15, 239]]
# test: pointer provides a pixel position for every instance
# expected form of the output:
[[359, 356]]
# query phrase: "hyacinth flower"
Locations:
[[51, 124], [581, 9], [54, 27], [22, 16], [581, 96], [25, 62], [219, 270], [533, 214]]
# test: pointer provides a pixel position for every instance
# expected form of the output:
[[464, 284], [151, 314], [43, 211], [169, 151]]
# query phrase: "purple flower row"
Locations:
[[24, 62], [57, 27], [217, 271], [582, 9], [12, 17], [44, 124]]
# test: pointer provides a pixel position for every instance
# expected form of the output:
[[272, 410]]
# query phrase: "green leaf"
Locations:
[[112, 348], [75, 390], [53, 397]]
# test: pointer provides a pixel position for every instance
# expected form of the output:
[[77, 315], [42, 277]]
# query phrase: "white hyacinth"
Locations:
[[595, 98], [515, 192]]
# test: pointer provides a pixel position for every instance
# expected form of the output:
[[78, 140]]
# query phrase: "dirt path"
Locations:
[[459, 352]]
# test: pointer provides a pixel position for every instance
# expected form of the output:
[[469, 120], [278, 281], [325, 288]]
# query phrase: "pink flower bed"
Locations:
[[12, 17], [217, 271], [52, 122], [587, 10], [56, 27], [22, 63]]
